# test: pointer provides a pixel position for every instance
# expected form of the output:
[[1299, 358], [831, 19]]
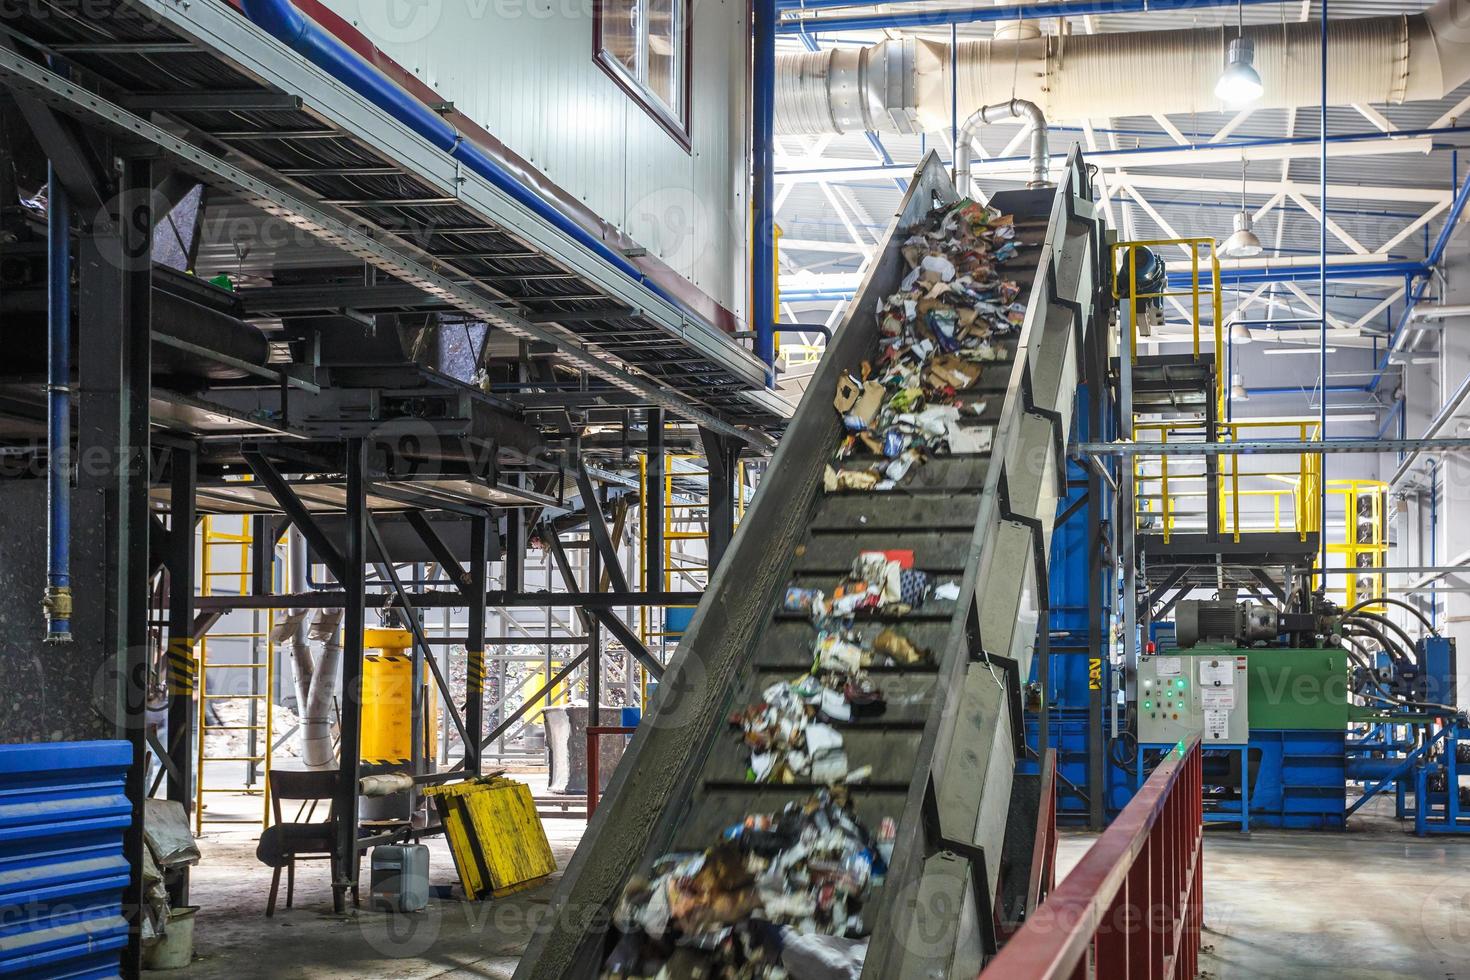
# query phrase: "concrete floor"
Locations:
[[1370, 904]]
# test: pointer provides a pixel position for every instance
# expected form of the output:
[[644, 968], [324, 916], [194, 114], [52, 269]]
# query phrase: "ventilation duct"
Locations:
[[903, 86]]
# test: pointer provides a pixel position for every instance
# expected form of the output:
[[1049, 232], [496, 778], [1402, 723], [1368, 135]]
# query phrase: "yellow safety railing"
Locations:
[[801, 355], [1294, 491], [1204, 295], [1365, 538]]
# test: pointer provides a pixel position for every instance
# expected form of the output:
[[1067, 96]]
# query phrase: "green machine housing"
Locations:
[[1291, 688]]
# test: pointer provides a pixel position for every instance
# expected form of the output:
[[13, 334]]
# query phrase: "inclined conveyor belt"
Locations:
[[944, 752]]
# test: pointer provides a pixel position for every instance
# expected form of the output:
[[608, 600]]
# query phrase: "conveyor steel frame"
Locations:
[[956, 806]]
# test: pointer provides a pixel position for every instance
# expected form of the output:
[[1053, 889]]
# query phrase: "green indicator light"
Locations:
[[1179, 683], [1148, 704]]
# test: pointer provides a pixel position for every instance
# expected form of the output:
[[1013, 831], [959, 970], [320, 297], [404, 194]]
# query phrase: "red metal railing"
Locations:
[[594, 732], [1132, 907]]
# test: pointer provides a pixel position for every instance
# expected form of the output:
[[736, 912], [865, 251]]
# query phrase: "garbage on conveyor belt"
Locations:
[[879, 581], [789, 733], [779, 895], [936, 337]]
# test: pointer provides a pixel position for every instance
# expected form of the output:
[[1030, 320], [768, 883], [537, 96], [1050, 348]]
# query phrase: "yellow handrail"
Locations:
[[1300, 485], [1194, 246]]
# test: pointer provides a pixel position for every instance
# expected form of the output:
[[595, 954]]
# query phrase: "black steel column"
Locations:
[[514, 551], [720, 456], [182, 671], [653, 504], [475, 649], [354, 559], [1212, 463], [114, 463]]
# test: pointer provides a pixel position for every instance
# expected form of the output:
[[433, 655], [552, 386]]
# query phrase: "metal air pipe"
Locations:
[[905, 85], [1017, 109], [316, 715]]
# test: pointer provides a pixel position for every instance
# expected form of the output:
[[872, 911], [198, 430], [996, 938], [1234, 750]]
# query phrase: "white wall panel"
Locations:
[[524, 70]]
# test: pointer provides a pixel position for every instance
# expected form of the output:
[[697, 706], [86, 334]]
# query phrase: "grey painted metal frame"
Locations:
[[928, 921], [219, 28], [397, 258]]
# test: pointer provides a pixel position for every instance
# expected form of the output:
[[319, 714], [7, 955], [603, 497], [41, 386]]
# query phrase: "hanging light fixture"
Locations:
[[1240, 334], [1240, 83], [1243, 243], [1237, 390]]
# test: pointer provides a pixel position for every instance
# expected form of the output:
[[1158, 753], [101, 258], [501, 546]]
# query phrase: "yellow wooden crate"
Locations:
[[495, 834]]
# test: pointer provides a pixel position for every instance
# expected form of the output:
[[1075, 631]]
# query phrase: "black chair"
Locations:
[[285, 842]]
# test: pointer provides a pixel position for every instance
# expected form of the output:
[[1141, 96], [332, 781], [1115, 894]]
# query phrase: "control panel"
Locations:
[[1180, 694]]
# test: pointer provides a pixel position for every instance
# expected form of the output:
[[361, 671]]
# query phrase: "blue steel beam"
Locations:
[[905, 169], [978, 14], [1228, 277]]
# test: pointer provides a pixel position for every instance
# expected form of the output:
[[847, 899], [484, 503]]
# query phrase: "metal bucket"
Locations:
[[176, 948]]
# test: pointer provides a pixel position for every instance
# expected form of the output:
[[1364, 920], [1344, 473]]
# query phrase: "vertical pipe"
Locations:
[[474, 720], [763, 183], [1322, 300], [1434, 539], [653, 505], [57, 598], [954, 100], [354, 558]]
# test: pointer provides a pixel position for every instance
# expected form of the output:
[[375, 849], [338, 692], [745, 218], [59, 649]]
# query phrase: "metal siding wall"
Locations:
[[523, 69], [62, 870]]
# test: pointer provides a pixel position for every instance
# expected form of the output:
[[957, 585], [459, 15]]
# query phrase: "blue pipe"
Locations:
[[1434, 540], [1393, 413], [763, 184], [283, 21], [1301, 389], [979, 14], [1347, 270], [57, 601]]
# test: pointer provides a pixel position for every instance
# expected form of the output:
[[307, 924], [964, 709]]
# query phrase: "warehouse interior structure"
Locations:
[[805, 489]]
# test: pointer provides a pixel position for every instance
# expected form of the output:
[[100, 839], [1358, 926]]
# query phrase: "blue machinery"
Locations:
[[1294, 778]]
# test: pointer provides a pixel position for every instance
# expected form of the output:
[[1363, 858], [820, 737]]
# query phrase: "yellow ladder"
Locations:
[[686, 518], [240, 542]]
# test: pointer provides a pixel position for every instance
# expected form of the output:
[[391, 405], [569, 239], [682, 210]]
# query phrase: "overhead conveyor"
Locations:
[[944, 755]]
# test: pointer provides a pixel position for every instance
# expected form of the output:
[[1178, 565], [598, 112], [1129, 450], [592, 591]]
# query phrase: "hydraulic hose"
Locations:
[[1388, 646], [1400, 603], [1409, 643]]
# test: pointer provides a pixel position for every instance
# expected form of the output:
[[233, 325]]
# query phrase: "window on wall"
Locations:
[[644, 46]]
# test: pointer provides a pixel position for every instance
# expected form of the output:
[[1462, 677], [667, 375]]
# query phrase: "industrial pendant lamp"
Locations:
[[1243, 242], [1237, 390], [1240, 83], [1240, 333]]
